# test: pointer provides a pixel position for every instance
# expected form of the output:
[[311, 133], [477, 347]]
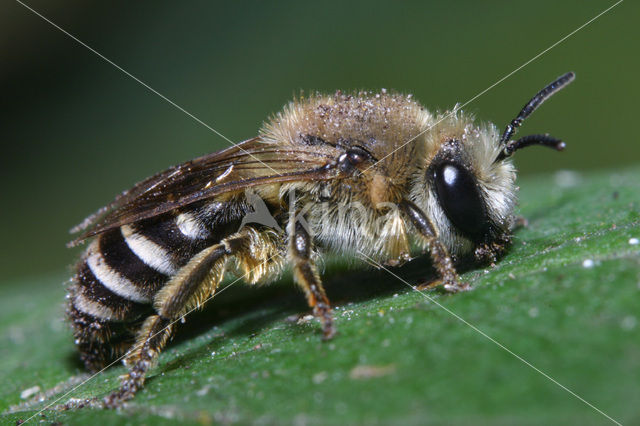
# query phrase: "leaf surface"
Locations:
[[565, 298]]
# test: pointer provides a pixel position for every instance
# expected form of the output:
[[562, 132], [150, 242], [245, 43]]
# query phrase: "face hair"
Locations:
[[527, 110]]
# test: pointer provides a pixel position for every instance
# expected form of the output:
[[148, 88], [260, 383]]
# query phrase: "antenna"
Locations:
[[535, 102], [511, 146]]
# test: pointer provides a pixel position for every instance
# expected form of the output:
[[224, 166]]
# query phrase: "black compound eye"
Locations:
[[460, 200]]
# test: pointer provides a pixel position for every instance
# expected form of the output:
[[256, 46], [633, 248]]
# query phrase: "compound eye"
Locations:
[[459, 197]]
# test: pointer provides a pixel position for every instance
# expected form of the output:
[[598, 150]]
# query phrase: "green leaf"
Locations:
[[565, 298]]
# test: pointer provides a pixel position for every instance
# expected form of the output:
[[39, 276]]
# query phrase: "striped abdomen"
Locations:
[[124, 268]]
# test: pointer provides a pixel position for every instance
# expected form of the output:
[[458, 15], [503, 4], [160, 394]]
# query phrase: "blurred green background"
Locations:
[[76, 131]]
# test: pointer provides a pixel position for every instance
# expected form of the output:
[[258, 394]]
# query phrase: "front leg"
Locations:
[[439, 254], [306, 275]]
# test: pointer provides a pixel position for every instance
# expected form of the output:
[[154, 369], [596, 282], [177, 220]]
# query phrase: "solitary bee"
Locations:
[[358, 174]]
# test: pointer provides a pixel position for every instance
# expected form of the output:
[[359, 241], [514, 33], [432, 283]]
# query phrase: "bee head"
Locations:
[[470, 179], [469, 196]]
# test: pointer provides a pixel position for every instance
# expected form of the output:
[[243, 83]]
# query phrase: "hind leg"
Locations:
[[151, 339], [187, 289]]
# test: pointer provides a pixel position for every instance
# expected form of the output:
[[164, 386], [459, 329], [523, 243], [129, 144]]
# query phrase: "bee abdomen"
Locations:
[[98, 341], [121, 272], [103, 302]]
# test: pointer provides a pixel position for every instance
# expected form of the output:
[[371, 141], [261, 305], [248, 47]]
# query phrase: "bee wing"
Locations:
[[250, 163]]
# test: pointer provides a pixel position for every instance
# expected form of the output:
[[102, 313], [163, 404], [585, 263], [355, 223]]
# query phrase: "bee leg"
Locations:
[[307, 277], [187, 289], [442, 261], [430, 285], [151, 339]]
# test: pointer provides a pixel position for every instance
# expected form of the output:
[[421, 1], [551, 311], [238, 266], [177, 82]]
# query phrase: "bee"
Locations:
[[371, 174]]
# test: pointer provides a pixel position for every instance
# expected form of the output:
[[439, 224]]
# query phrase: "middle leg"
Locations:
[[306, 276]]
